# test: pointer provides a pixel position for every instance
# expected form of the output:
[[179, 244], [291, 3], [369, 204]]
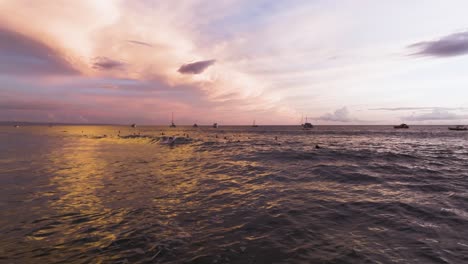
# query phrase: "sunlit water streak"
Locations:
[[80, 194]]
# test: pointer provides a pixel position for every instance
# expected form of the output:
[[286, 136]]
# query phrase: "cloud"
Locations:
[[340, 115], [21, 54], [115, 35], [447, 46], [264, 60], [104, 63], [196, 67], [29, 105], [140, 43], [436, 114], [417, 108]]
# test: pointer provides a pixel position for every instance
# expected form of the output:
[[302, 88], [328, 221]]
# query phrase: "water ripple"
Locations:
[[233, 195]]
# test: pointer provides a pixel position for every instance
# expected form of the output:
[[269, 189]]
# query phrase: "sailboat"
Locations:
[[172, 121], [307, 125], [254, 125], [215, 125]]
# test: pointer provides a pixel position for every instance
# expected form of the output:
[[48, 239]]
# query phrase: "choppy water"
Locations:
[[233, 195]]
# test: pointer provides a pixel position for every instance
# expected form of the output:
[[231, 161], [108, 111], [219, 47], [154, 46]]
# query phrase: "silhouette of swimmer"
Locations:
[[276, 138], [171, 140]]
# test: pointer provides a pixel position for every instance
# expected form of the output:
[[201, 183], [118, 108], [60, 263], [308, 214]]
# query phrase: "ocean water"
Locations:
[[370, 194]]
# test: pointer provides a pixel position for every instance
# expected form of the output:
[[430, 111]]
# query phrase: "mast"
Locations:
[[172, 121]]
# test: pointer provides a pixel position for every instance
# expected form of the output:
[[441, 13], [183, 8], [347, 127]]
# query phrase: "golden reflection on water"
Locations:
[[78, 177], [99, 181], [78, 171]]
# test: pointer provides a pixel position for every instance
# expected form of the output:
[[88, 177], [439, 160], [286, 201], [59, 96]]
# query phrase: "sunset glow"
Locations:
[[233, 61]]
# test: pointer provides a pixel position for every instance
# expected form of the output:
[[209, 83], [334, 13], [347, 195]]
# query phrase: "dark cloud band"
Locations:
[[23, 55], [104, 63], [196, 67], [447, 46], [140, 43]]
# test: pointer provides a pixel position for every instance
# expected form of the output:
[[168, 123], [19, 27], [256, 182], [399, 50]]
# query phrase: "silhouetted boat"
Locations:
[[254, 125], [133, 125], [195, 125], [307, 125], [172, 121], [458, 128], [401, 126], [215, 125]]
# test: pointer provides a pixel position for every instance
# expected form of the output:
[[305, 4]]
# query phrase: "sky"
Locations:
[[234, 61]]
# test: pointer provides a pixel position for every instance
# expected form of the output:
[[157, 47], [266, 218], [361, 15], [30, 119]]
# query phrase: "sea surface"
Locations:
[[369, 194]]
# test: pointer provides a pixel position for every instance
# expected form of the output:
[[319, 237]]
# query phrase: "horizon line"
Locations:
[[3, 123]]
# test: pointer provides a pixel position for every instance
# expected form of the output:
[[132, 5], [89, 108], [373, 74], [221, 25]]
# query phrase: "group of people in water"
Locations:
[[173, 139]]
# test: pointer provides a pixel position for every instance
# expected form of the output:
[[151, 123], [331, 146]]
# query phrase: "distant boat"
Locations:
[[172, 121], [307, 125], [401, 126], [16, 126], [215, 125], [195, 125], [254, 125], [459, 128], [133, 125]]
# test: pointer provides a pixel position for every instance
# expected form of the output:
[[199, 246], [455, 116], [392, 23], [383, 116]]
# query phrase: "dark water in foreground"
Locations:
[[370, 195]]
